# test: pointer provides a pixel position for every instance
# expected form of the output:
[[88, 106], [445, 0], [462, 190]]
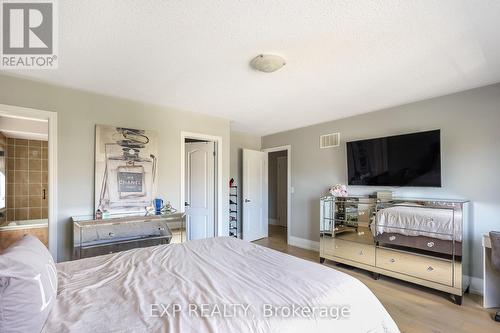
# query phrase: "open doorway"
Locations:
[[200, 190], [279, 193], [27, 176]]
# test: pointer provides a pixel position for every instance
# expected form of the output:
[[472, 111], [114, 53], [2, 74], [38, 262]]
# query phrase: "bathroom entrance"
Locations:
[[24, 176]]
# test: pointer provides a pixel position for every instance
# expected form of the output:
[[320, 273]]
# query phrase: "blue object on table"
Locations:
[[158, 205]]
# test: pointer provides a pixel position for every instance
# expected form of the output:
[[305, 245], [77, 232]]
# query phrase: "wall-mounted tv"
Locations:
[[401, 160]]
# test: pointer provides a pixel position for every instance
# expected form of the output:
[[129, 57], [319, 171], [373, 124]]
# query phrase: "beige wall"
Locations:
[[240, 141], [79, 112], [470, 129]]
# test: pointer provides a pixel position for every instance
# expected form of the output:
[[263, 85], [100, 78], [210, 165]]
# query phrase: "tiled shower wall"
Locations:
[[3, 165], [27, 178]]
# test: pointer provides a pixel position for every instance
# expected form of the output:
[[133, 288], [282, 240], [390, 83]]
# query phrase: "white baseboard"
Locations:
[[303, 243], [476, 286]]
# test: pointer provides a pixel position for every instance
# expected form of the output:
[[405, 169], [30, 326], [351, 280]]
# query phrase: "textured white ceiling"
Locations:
[[343, 57]]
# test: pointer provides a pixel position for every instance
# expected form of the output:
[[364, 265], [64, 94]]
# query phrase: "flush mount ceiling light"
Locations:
[[267, 63]]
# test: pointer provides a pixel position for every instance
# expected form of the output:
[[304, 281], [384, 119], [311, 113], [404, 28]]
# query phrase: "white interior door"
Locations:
[[200, 190], [282, 190], [255, 201]]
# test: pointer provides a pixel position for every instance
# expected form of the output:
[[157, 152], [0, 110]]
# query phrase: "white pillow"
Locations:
[[28, 286]]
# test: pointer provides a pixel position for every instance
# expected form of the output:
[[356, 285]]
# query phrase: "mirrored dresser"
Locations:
[[423, 241]]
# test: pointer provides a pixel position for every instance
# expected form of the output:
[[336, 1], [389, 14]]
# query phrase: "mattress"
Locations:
[[418, 221], [122, 292]]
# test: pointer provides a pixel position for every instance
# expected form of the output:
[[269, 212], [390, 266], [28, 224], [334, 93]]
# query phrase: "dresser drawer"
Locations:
[[362, 253], [436, 270]]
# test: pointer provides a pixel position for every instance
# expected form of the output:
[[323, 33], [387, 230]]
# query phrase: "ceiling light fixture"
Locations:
[[267, 63]]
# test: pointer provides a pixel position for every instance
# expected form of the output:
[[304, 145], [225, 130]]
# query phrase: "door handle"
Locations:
[[186, 204], [247, 200]]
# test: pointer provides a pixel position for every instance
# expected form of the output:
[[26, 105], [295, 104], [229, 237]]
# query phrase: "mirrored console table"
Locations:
[[93, 237]]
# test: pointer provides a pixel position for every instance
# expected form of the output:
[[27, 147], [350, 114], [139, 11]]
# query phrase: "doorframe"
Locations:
[[218, 184], [288, 149], [50, 116]]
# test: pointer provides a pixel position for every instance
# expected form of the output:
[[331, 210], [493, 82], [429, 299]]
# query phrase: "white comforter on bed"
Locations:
[[418, 221], [115, 293]]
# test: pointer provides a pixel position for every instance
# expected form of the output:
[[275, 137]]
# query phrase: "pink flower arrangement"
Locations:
[[338, 190]]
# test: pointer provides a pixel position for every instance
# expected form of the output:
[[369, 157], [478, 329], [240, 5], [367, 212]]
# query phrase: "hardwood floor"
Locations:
[[415, 309]]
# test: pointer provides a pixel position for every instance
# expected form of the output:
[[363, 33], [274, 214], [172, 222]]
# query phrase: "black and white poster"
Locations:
[[126, 161]]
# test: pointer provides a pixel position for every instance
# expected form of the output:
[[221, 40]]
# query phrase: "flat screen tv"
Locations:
[[401, 160]]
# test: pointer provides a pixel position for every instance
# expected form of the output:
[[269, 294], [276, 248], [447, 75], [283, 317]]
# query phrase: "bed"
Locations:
[[416, 226], [131, 292]]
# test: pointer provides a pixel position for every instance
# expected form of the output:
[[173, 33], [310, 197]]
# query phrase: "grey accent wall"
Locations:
[[78, 113], [470, 130], [240, 141]]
